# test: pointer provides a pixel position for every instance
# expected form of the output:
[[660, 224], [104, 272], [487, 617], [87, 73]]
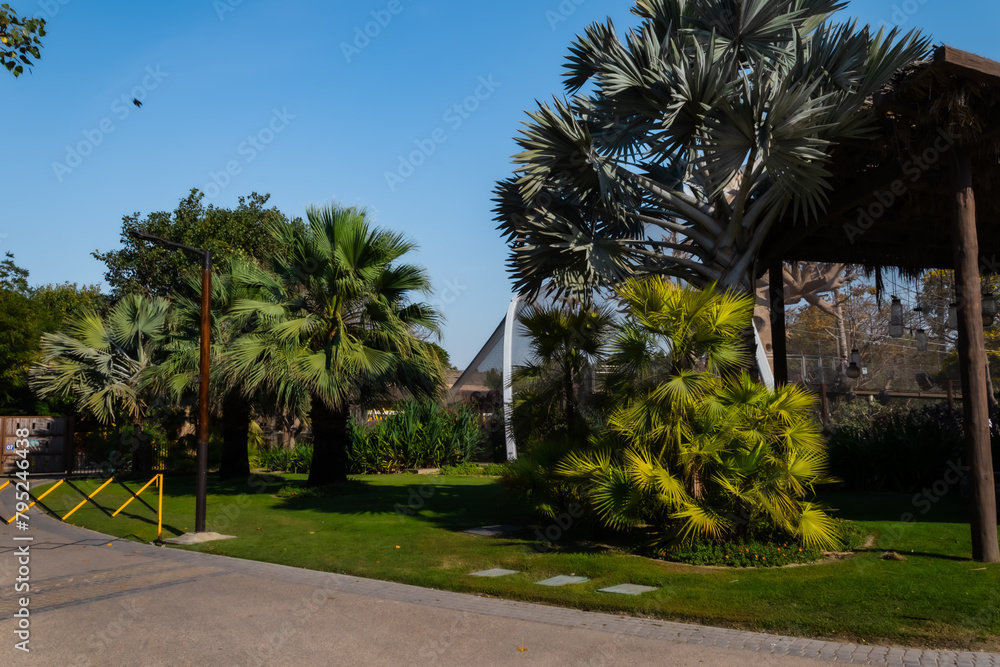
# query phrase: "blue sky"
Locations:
[[294, 99]]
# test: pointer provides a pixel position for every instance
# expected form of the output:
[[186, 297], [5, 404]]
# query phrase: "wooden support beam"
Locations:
[[779, 347], [967, 64], [972, 361]]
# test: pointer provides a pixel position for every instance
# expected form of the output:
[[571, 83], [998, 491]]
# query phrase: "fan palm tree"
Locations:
[[178, 374], [338, 323], [686, 142], [565, 343], [704, 451], [104, 364]]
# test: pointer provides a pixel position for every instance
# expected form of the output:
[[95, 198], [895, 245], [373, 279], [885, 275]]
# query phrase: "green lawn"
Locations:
[[406, 528]]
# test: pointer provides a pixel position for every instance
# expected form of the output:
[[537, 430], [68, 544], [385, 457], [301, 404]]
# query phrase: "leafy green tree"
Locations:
[[685, 142], [26, 313], [337, 322], [103, 364], [140, 267], [696, 448], [20, 39]]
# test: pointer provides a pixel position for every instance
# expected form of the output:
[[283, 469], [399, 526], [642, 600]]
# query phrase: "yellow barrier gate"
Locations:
[[157, 479]]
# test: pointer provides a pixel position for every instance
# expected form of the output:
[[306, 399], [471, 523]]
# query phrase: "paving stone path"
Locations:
[[101, 600]]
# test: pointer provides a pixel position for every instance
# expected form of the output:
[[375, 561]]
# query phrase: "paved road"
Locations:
[[96, 600]]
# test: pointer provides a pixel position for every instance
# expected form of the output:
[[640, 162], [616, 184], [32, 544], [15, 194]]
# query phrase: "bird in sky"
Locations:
[[136, 102]]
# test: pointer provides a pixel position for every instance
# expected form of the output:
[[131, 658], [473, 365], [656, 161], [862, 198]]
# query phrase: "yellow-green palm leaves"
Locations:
[[705, 451]]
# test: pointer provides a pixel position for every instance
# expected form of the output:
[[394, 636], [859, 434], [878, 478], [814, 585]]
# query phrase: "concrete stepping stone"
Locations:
[[495, 572], [627, 589], [562, 580], [494, 531]]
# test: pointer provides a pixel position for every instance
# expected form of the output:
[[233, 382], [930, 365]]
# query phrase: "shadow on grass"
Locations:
[[456, 508], [871, 506], [925, 554]]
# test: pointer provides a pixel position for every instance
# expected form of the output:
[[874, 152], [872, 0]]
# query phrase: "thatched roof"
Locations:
[[891, 199]]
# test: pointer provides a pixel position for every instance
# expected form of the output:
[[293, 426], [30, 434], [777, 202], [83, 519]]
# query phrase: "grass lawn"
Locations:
[[406, 528]]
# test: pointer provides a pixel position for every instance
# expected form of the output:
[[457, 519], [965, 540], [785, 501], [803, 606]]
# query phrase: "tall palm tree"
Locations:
[[686, 141], [338, 323], [698, 448], [104, 364]]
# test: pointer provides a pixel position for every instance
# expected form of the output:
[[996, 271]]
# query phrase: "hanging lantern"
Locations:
[[921, 337], [854, 368], [989, 308], [952, 315], [896, 318]]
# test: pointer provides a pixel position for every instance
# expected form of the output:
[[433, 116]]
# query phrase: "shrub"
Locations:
[[418, 435], [295, 460], [489, 470], [761, 550], [876, 447]]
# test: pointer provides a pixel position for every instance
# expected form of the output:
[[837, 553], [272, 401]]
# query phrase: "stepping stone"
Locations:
[[494, 531], [628, 589], [495, 572], [562, 580]]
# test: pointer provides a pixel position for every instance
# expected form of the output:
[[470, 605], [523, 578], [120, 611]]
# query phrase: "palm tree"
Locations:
[[566, 343], [104, 364], [338, 323], [178, 374], [696, 447], [686, 142]]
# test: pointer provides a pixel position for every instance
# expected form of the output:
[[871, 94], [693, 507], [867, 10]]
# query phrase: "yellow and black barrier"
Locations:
[[157, 479]]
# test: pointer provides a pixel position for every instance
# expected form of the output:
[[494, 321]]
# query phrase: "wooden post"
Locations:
[[824, 405], [972, 360], [779, 348], [951, 395]]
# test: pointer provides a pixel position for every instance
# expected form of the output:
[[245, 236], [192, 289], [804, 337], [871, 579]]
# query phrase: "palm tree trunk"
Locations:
[[235, 432], [142, 449], [331, 437], [570, 404]]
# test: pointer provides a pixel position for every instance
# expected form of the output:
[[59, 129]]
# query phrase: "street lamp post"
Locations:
[[201, 483]]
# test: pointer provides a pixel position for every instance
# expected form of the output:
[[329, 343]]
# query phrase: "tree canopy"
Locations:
[[683, 142], [20, 39], [140, 267]]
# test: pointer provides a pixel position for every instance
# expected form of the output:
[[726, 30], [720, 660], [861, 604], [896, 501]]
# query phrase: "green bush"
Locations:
[[489, 470], [757, 551], [876, 447], [295, 460], [418, 435]]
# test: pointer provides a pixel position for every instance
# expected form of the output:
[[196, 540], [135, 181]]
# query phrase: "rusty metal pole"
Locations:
[[201, 490], [972, 360], [201, 477]]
